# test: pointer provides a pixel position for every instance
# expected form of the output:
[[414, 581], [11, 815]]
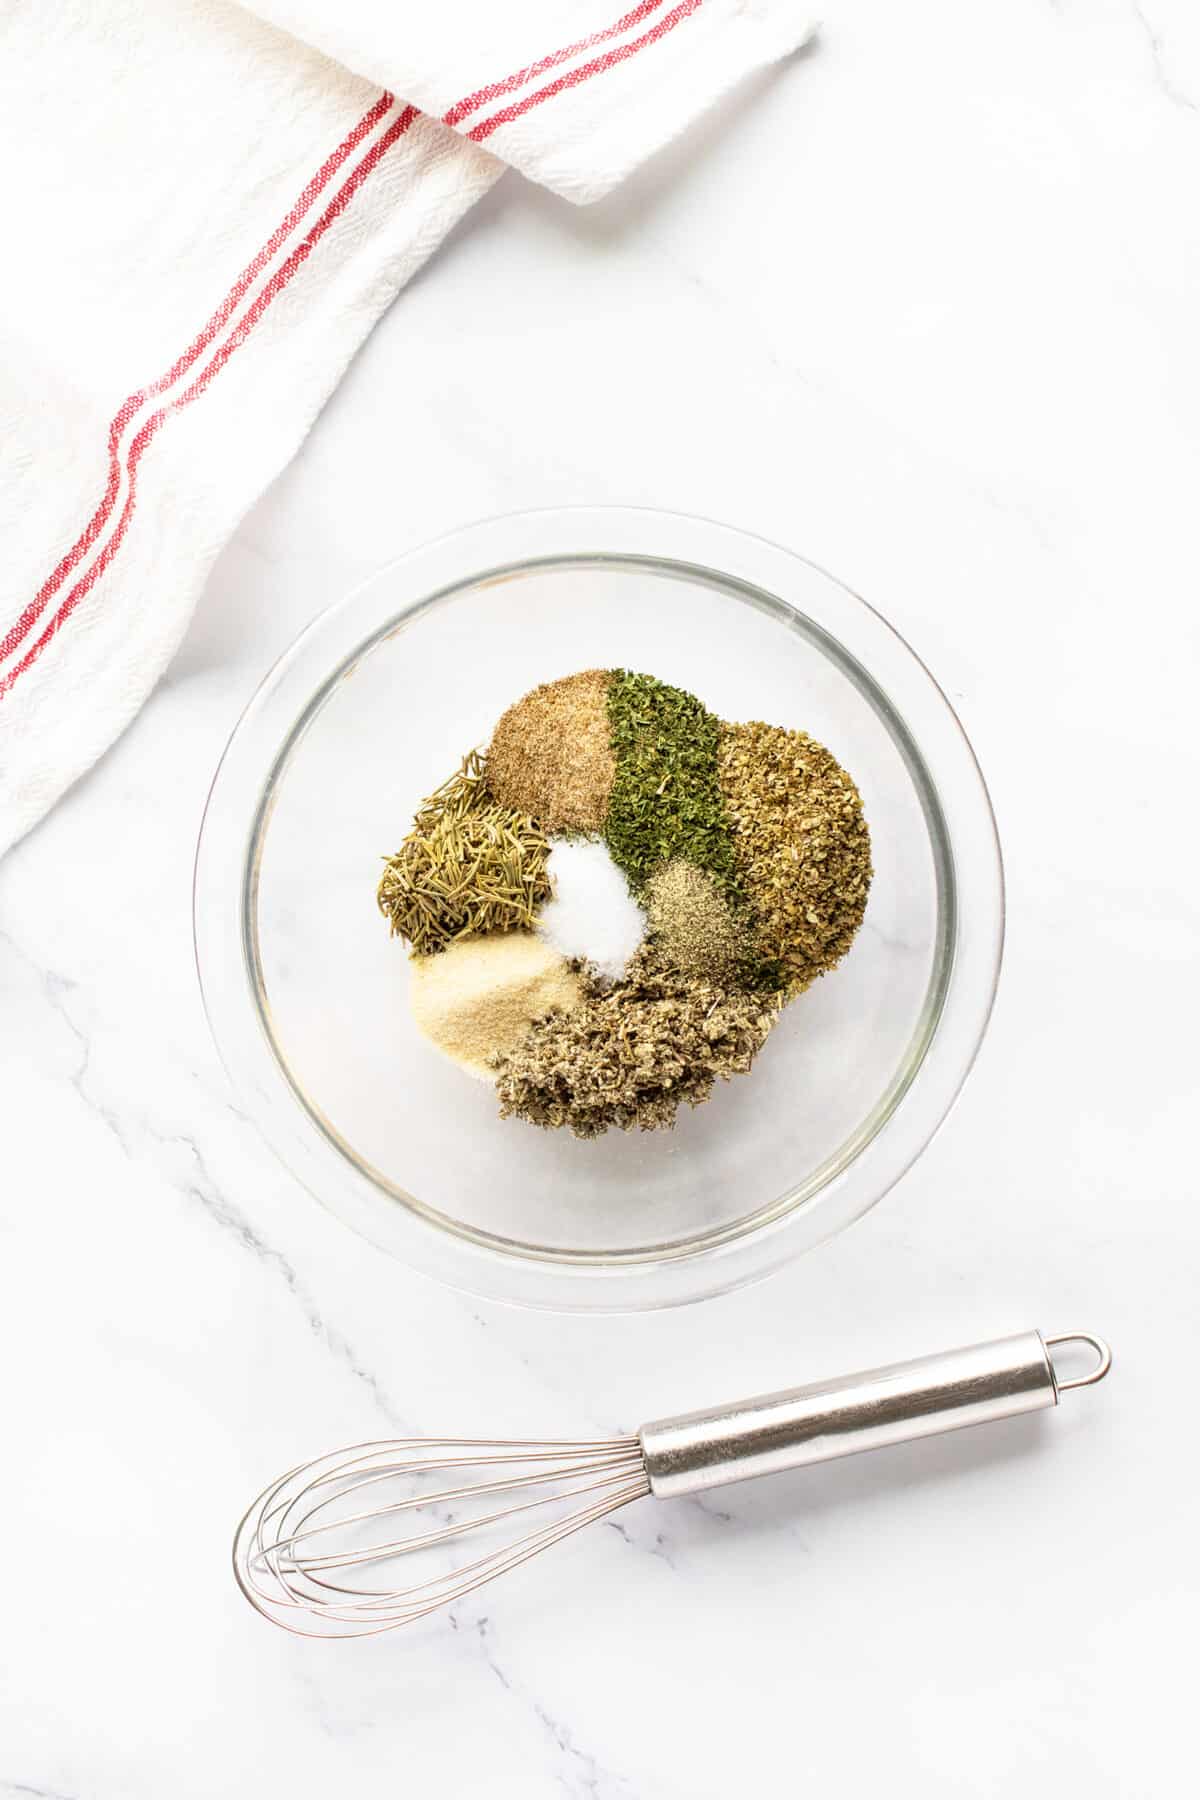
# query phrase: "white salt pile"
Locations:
[[591, 913]]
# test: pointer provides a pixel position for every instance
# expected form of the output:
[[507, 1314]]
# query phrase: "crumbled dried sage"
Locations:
[[631, 1055]]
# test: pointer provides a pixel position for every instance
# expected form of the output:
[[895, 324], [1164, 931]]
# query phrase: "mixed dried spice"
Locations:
[[745, 846]]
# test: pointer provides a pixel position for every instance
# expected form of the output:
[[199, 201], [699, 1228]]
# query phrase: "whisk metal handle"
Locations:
[[859, 1412]]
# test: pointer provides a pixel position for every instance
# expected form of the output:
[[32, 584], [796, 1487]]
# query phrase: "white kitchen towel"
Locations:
[[589, 88], [206, 211]]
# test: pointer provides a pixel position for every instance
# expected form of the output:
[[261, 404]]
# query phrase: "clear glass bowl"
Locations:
[[306, 994]]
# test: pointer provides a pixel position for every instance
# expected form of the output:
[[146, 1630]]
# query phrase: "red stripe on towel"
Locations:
[[238, 336], [574, 77], [199, 344], [495, 89]]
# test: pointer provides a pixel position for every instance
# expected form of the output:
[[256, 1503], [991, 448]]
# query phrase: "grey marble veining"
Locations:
[[924, 309]]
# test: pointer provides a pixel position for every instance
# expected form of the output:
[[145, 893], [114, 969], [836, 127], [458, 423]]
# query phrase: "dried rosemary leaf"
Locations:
[[469, 866]]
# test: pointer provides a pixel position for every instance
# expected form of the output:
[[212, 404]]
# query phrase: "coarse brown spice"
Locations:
[[630, 1056], [693, 925], [551, 755], [802, 844]]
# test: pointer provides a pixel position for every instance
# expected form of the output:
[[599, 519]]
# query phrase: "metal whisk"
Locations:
[[305, 1551]]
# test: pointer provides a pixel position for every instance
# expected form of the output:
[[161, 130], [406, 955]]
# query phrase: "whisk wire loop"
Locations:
[[283, 1573]]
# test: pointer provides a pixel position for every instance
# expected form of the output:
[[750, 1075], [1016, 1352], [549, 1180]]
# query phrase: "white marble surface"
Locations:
[[924, 307]]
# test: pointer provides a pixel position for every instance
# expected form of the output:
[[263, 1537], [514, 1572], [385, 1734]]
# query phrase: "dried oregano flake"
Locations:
[[803, 847]]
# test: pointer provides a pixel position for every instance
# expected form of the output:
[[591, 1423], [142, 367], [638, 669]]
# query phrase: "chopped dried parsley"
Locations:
[[666, 799]]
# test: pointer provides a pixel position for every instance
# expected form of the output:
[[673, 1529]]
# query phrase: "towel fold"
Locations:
[[211, 209]]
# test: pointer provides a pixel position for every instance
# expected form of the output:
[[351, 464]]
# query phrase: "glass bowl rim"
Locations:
[[238, 811]]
